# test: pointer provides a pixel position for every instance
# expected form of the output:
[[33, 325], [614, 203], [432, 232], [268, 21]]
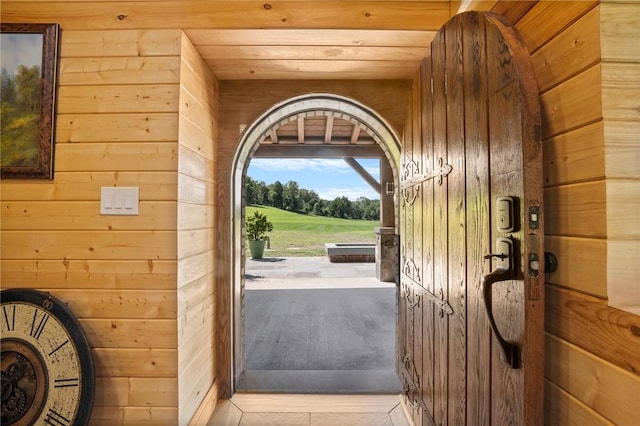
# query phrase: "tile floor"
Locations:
[[309, 410]]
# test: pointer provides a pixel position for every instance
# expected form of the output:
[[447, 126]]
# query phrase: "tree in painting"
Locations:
[[20, 115]]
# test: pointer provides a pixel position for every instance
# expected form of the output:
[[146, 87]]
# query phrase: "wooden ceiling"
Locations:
[[317, 54], [324, 39], [243, 39]]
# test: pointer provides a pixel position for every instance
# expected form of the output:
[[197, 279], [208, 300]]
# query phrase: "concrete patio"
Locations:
[[318, 327]]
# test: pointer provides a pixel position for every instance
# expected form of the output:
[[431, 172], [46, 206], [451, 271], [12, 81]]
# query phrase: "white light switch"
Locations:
[[119, 200]]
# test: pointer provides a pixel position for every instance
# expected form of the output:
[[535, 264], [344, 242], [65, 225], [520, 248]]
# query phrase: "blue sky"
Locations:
[[20, 49], [330, 178]]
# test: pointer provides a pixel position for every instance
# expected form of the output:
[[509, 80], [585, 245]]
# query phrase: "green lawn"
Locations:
[[297, 234]]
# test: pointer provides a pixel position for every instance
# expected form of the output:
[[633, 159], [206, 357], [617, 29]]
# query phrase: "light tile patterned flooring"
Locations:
[[309, 410]]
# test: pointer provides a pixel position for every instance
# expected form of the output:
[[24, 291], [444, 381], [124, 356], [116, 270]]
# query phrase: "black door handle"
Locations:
[[505, 270]]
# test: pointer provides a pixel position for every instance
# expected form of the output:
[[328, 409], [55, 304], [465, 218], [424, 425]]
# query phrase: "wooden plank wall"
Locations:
[[117, 125], [592, 351], [619, 35], [197, 136]]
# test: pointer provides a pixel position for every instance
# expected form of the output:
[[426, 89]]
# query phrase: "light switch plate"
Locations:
[[119, 200]]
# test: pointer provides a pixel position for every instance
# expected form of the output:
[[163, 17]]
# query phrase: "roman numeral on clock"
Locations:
[[56, 419], [10, 317], [66, 383], [36, 330], [59, 347]]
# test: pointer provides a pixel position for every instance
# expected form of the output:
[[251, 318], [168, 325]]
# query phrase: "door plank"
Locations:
[[402, 324], [427, 374], [533, 246], [456, 228], [525, 120], [408, 256], [478, 236], [418, 253], [507, 403], [440, 329]]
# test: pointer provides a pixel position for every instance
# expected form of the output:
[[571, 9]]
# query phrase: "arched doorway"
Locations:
[[316, 103]]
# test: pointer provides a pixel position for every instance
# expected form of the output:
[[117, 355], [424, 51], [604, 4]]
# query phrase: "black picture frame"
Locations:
[[28, 103]]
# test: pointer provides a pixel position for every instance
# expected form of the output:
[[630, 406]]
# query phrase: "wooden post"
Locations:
[[387, 211]]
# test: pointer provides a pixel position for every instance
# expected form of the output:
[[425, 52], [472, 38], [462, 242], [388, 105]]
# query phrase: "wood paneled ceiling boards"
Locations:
[[275, 40], [239, 40]]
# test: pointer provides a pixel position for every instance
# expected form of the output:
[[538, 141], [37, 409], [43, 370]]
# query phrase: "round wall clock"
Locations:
[[47, 368]]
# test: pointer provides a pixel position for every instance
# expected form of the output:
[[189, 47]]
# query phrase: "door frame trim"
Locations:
[[384, 135]]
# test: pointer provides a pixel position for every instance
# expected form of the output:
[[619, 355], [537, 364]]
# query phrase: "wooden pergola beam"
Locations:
[[328, 129], [355, 134], [373, 183], [318, 151], [301, 129]]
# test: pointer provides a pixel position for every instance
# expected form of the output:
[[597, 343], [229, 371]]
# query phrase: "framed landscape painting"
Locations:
[[28, 66]]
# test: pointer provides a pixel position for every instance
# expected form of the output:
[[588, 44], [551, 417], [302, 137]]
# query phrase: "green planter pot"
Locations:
[[256, 247]]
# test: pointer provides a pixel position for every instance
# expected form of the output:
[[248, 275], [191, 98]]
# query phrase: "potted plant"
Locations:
[[257, 226]]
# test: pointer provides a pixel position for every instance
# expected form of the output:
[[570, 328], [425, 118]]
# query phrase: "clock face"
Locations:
[[47, 369]]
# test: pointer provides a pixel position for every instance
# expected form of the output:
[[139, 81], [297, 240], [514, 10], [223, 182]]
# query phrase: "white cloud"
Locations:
[[351, 193], [299, 164], [311, 164], [20, 49]]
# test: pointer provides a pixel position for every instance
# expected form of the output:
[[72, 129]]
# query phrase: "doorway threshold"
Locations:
[[320, 381]]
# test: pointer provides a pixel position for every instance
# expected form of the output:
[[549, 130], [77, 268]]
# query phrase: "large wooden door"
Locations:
[[471, 231]]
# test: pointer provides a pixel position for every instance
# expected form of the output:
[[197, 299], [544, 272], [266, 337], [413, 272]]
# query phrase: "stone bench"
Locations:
[[351, 252]]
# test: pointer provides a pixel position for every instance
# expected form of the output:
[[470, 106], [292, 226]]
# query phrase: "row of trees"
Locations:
[[292, 198]]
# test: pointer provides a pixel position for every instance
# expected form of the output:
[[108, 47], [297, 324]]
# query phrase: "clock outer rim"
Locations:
[[76, 333]]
